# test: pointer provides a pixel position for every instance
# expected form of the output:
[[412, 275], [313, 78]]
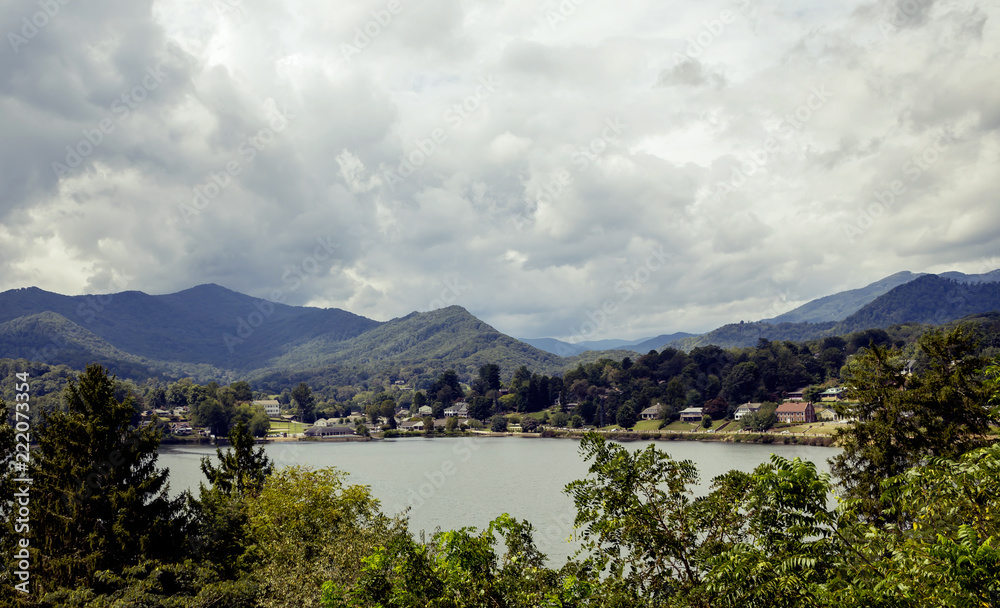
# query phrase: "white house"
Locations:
[[650, 413], [426, 410], [322, 422], [271, 407], [745, 410]]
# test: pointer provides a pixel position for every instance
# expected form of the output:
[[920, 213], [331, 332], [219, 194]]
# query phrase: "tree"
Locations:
[[642, 528], [761, 420], [242, 391], [904, 419], [706, 422], [254, 418], [220, 533], [306, 402], [446, 388], [310, 527], [242, 470], [498, 424], [489, 378], [99, 502], [559, 419], [451, 424], [481, 408], [627, 416], [214, 415], [812, 394], [740, 385], [387, 410]]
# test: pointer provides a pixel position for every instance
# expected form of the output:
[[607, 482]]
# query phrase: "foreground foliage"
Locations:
[[919, 528]]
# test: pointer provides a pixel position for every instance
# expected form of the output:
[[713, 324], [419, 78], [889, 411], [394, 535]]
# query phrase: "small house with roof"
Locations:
[[837, 393], [796, 395], [745, 410], [650, 413], [691, 414], [329, 431]]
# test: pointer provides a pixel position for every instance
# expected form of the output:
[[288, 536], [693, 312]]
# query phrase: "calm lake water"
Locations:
[[454, 482]]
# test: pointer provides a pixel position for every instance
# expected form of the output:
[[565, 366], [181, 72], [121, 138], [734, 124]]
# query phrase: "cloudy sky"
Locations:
[[649, 166]]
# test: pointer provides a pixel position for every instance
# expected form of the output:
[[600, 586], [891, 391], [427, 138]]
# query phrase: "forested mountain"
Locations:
[[839, 306], [928, 299], [188, 327], [211, 333]]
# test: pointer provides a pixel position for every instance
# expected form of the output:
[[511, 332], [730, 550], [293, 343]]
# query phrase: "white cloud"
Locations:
[[517, 189]]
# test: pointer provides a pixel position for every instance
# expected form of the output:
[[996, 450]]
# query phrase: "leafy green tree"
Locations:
[[706, 422], [462, 568], [761, 420], [559, 419], [254, 418], [419, 400], [627, 415], [498, 424], [387, 410], [740, 385], [242, 391], [214, 415], [576, 421], [451, 425], [642, 528], [481, 408], [98, 500], [812, 394], [310, 527]]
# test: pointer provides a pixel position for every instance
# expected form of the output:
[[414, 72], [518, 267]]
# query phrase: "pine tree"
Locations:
[[99, 501], [221, 536]]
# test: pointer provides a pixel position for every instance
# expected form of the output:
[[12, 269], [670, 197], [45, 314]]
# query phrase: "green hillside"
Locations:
[[929, 300]]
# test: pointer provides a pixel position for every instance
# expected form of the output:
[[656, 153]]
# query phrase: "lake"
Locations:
[[455, 482]]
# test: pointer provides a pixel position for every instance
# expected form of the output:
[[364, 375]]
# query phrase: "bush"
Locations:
[[498, 424]]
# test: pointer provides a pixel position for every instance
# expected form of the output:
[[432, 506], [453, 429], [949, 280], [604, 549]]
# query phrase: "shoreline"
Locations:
[[622, 436]]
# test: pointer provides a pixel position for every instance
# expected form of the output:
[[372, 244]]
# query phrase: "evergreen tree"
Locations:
[[306, 402], [99, 501], [221, 534]]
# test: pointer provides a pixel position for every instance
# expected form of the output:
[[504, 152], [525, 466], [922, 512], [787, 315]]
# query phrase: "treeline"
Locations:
[[916, 526]]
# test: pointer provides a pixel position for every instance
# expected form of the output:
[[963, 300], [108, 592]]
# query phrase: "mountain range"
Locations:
[[209, 332], [926, 299], [567, 349]]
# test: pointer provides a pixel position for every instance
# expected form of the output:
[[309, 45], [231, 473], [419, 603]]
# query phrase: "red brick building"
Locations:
[[796, 411]]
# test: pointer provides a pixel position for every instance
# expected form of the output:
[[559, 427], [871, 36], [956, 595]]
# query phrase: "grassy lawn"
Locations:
[[817, 428], [285, 426], [537, 415]]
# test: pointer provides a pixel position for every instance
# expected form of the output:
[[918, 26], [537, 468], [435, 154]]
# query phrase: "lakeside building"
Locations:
[[796, 411]]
